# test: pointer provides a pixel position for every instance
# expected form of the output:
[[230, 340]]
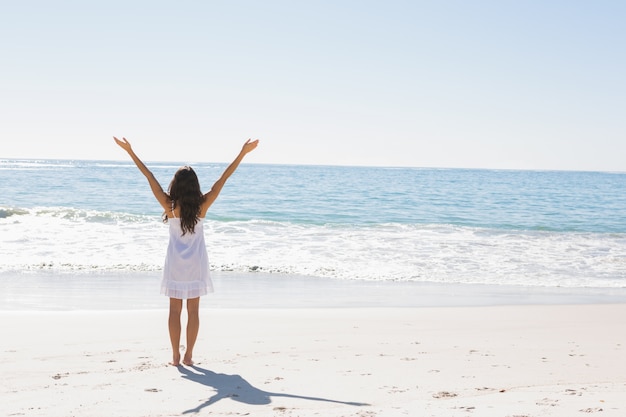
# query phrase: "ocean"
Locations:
[[469, 226]]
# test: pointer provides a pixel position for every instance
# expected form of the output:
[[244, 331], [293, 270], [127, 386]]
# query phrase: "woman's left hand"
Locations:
[[124, 144]]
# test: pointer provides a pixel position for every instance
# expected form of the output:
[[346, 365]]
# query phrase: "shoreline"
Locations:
[[53, 291], [273, 345]]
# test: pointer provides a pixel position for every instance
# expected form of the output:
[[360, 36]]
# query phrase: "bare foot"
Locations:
[[175, 361], [187, 362]]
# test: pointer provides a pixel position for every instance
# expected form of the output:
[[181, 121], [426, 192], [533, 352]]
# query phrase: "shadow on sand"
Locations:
[[238, 389]]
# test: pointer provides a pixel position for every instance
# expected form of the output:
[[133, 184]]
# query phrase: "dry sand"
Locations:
[[525, 360]]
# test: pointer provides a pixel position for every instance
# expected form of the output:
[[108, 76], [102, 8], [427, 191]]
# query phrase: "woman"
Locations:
[[186, 270]]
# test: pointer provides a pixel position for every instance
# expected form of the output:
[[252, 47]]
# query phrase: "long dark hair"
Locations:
[[184, 191]]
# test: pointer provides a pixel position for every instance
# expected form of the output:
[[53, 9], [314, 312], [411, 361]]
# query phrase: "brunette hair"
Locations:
[[184, 191]]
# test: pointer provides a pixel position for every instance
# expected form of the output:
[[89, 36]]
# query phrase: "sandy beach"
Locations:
[[522, 360]]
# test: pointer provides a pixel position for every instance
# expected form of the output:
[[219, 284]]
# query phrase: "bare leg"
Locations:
[[176, 306], [193, 325]]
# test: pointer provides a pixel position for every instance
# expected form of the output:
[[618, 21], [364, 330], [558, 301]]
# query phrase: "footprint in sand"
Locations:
[[573, 392], [547, 401], [444, 394]]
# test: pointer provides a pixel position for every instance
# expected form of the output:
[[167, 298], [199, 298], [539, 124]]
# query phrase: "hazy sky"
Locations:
[[490, 84]]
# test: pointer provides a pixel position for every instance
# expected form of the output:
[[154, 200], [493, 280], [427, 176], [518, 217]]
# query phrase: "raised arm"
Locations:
[[156, 188], [210, 197]]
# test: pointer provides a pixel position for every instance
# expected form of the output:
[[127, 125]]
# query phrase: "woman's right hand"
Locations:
[[249, 146]]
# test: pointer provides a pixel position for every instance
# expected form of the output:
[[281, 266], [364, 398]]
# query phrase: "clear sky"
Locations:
[[486, 84]]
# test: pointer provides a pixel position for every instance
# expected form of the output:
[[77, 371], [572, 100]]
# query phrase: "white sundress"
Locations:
[[186, 270]]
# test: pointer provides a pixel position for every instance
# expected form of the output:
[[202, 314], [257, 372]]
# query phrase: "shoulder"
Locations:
[[168, 207]]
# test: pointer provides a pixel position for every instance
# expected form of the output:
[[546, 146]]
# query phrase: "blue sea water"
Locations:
[[537, 228]]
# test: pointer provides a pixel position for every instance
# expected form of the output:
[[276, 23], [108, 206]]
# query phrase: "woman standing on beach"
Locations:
[[186, 270]]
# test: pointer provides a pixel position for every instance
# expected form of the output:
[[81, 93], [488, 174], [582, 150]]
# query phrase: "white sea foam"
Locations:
[[64, 239]]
